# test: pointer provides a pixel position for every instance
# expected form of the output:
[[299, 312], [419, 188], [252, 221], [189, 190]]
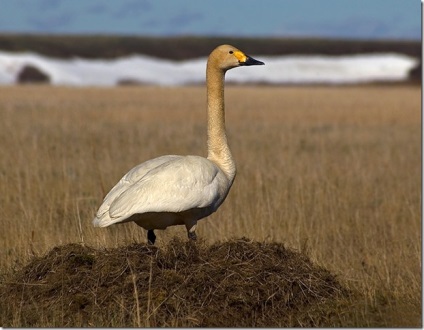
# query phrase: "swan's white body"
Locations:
[[176, 190], [165, 191]]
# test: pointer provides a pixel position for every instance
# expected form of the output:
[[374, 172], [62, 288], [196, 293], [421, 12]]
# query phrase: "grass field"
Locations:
[[332, 172]]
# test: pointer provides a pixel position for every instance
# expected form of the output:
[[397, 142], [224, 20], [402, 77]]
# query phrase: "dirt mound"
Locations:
[[32, 74], [239, 283]]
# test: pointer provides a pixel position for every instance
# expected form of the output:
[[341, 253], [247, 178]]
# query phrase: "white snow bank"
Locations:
[[148, 70]]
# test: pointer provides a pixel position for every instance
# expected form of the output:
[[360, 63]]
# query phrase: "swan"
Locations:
[[180, 190]]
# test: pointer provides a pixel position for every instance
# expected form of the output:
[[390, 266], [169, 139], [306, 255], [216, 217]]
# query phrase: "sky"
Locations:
[[357, 19]]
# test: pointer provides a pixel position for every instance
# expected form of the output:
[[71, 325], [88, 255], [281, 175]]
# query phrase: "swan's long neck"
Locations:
[[218, 149]]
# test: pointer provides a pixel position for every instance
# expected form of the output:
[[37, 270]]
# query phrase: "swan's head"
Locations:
[[227, 57]]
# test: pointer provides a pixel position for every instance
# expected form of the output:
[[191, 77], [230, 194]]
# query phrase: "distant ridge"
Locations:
[[182, 48]]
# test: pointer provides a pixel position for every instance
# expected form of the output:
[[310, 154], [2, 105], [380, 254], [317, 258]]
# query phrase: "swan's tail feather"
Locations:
[[103, 221]]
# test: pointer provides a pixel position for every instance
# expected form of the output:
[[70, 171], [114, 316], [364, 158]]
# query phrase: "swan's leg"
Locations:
[[192, 233], [151, 237]]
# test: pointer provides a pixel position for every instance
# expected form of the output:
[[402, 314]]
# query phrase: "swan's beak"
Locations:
[[251, 61]]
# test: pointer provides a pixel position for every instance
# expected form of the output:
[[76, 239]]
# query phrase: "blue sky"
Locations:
[[370, 19]]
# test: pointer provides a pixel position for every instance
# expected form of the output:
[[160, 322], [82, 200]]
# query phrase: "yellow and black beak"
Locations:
[[251, 61], [246, 60]]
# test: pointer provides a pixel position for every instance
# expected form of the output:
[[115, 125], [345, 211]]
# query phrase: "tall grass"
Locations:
[[332, 172]]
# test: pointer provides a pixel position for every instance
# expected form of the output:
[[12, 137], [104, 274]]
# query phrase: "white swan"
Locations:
[[180, 190]]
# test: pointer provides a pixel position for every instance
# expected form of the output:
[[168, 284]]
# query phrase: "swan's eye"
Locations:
[[230, 52]]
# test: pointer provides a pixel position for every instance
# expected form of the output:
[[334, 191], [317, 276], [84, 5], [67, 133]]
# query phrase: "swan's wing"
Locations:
[[175, 186], [134, 175]]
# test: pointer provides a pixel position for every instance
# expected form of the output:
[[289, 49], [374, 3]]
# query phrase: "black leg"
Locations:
[[151, 237]]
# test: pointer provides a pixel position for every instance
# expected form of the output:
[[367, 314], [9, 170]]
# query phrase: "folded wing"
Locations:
[[164, 184]]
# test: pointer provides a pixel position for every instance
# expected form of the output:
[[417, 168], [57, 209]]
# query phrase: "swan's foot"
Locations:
[[192, 233], [151, 237]]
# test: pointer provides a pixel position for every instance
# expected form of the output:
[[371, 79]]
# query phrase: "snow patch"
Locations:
[[361, 68]]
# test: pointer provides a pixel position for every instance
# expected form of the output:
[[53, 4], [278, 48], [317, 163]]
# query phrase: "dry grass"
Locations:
[[331, 172]]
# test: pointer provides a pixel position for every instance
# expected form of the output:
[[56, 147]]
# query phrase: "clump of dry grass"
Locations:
[[238, 283]]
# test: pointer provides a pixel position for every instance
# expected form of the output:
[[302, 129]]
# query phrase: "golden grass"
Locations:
[[332, 172]]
